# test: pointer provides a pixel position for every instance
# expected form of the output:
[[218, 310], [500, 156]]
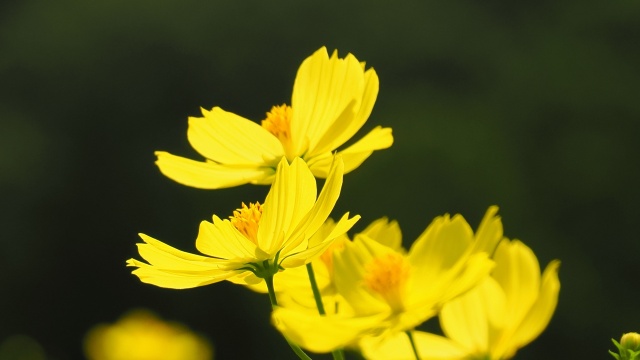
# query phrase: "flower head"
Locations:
[[258, 240], [388, 290], [332, 99], [140, 335], [502, 314]]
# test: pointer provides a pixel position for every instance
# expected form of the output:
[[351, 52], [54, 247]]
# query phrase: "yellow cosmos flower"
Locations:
[[504, 313], [140, 335], [259, 240], [390, 290], [332, 99]]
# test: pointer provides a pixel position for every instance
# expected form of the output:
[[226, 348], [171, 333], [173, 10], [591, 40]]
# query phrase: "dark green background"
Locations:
[[532, 106]]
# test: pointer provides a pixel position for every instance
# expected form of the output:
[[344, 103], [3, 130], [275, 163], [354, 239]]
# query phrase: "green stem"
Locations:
[[274, 302], [413, 344], [316, 291], [338, 354]]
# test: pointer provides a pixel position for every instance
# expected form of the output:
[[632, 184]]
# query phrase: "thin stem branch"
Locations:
[[338, 354], [413, 344], [274, 302]]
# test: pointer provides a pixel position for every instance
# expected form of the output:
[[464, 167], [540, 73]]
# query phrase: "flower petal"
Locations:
[[343, 130], [307, 255], [322, 333], [321, 210], [291, 197], [518, 273], [323, 89], [540, 314], [489, 232], [440, 247], [177, 279], [398, 347], [222, 240], [227, 138], [377, 139], [467, 319], [209, 175]]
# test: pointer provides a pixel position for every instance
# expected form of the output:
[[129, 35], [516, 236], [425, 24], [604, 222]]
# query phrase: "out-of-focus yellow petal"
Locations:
[[385, 232], [210, 175], [291, 197], [398, 347], [489, 232], [467, 319], [222, 240], [518, 273], [324, 88], [440, 247], [540, 314], [229, 139], [322, 334]]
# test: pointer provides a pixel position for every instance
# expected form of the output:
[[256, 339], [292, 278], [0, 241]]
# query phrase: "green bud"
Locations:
[[630, 341], [628, 347]]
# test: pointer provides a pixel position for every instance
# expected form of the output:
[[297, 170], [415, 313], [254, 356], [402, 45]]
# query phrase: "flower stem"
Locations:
[[316, 291], [413, 344], [338, 354], [274, 302]]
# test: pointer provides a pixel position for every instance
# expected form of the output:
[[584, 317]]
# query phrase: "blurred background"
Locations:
[[530, 106]]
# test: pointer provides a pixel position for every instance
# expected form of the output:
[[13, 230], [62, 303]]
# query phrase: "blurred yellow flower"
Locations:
[[501, 315], [332, 99], [140, 335], [259, 240], [389, 290]]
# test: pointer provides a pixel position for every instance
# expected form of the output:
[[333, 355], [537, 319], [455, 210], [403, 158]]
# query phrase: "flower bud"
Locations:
[[630, 341]]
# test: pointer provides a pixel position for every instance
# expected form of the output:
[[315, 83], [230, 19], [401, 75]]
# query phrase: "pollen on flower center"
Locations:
[[278, 122], [246, 219], [387, 276]]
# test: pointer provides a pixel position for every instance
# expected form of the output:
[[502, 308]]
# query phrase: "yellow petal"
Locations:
[[177, 279], [209, 175], [227, 138], [164, 256], [222, 240], [368, 99], [291, 197], [385, 232], [467, 319], [312, 252], [518, 273], [398, 347], [377, 139], [489, 232], [321, 209], [322, 334], [350, 270], [323, 90], [540, 314], [441, 246]]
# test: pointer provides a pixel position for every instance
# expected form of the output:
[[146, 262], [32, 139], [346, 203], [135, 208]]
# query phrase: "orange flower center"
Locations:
[[387, 276], [278, 122], [246, 219]]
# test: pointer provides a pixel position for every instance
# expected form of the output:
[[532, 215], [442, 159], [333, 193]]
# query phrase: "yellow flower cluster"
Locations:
[[329, 292]]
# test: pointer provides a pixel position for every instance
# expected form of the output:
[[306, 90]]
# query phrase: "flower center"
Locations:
[[278, 122], [246, 220], [327, 255], [387, 276]]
